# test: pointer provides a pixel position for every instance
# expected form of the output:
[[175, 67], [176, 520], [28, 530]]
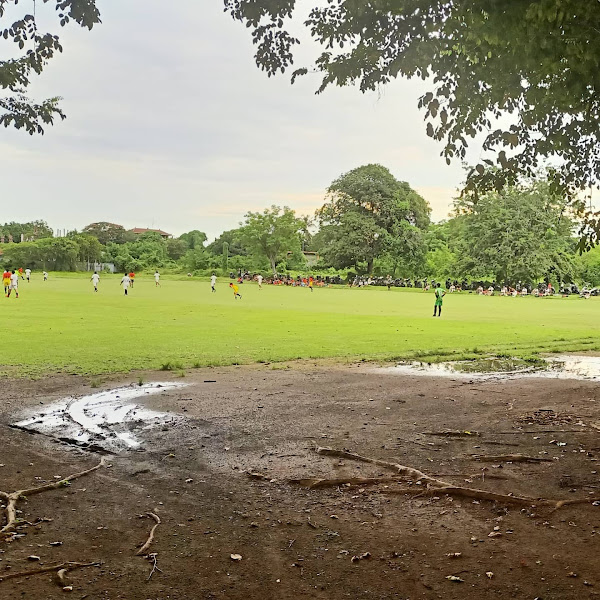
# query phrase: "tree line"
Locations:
[[370, 223]]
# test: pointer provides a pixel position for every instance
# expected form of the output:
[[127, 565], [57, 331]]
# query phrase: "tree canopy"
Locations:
[[532, 62], [519, 234], [369, 212], [35, 49], [273, 234], [34, 230]]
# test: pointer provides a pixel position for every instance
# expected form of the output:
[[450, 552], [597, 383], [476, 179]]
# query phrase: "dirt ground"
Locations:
[[297, 542]]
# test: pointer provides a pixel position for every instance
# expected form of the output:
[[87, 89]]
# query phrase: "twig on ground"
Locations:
[[154, 559], [66, 566], [150, 539], [12, 498]]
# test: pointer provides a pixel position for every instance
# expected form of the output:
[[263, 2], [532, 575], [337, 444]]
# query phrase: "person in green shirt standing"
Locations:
[[439, 295]]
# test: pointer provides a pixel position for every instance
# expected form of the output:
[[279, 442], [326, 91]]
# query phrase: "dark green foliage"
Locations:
[[35, 49], [368, 214], [107, 232], [534, 62], [521, 234], [34, 230], [272, 234]]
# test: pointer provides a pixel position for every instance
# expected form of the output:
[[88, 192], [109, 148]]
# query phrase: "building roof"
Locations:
[[140, 230]]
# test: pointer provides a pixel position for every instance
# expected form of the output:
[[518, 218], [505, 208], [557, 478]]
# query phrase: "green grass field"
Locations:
[[62, 326]]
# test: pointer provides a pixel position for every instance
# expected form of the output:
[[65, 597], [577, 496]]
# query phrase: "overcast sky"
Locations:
[[171, 125]]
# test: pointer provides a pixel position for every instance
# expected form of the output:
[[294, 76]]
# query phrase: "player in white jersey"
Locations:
[[125, 282], [28, 274], [213, 282], [14, 284], [156, 279], [259, 279], [95, 279]]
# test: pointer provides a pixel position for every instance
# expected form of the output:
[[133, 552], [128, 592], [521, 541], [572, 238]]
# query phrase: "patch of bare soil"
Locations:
[[239, 477]]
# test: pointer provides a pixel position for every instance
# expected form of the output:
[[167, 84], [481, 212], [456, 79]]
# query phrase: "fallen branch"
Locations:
[[516, 458], [150, 539], [438, 486], [14, 497], [67, 566]]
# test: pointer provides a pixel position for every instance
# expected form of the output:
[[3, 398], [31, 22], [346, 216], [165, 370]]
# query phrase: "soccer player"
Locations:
[[236, 291], [14, 284], [125, 281], [6, 280], [259, 279], [213, 283], [28, 274], [311, 283], [131, 278], [156, 279], [439, 295], [95, 279], [45, 276]]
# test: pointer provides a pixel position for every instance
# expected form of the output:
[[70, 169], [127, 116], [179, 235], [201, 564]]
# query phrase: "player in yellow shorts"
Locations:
[[236, 291], [6, 280]]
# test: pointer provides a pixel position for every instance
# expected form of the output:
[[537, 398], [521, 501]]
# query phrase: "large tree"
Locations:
[[521, 233], [272, 234], [107, 232], [533, 61], [369, 213], [19, 26]]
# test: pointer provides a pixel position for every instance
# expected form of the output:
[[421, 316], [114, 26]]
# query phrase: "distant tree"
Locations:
[[90, 248], [272, 234], [370, 213], [106, 232], [589, 267], [193, 239], [533, 62], [225, 258], [233, 240], [34, 230], [177, 248], [521, 234], [36, 49]]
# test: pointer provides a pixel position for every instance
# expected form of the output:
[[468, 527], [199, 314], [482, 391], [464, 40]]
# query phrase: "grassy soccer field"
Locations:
[[62, 326]]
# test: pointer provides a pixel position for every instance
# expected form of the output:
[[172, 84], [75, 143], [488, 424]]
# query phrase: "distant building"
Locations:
[[140, 230]]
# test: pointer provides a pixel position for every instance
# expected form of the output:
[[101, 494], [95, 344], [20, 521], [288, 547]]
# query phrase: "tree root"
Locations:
[[11, 499], [435, 486], [322, 483], [515, 458], [144, 548], [62, 567]]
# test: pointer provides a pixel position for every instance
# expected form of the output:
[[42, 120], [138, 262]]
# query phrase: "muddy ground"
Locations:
[[297, 542]]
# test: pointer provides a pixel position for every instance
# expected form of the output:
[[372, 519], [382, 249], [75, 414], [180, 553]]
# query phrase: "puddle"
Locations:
[[567, 366], [107, 420]]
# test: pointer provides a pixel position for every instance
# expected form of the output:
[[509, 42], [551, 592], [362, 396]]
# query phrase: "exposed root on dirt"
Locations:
[[62, 568], [430, 485], [515, 458], [144, 548], [322, 483], [12, 522]]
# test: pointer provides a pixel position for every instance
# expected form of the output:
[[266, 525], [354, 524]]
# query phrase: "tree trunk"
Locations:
[[370, 267], [272, 261]]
